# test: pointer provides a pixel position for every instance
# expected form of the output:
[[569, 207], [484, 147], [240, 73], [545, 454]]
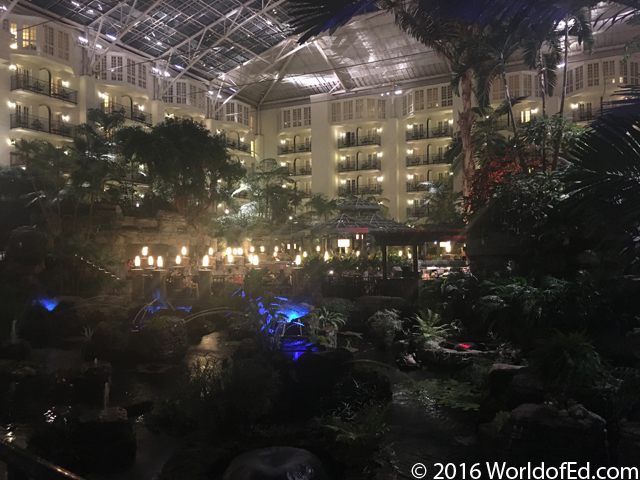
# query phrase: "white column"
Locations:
[[324, 147]]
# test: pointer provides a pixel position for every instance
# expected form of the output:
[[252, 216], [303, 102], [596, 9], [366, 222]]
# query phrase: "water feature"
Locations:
[[105, 398], [14, 333]]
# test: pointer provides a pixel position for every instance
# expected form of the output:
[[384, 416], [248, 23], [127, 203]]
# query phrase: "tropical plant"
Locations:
[[324, 326], [448, 393], [320, 206], [443, 204], [429, 324], [567, 361], [384, 326], [363, 427]]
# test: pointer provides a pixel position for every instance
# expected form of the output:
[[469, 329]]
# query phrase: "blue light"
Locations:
[[48, 303]]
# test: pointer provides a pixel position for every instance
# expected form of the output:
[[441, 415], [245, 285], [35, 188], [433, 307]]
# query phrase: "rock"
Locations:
[[276, 463], [629, 445], [106, 439], [523, 388], [27, 246], [138, 406], [437, 355], [542, 433], [195, 463], [15, 370], [90, 382], [500, 376]]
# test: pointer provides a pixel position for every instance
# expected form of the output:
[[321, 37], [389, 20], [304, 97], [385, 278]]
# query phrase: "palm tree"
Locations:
[[320, 206]]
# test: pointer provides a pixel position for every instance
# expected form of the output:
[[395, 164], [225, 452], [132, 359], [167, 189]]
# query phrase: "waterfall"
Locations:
[[14, 333], [105, 401]]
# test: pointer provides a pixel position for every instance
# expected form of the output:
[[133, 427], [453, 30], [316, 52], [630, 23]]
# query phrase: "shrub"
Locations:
[[339, 305], [384, 325], [428, 324], [567, 361]]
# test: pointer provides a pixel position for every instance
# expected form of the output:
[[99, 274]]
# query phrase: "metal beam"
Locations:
[[219, 41], [123, 32], [107, 13], [8, 10], [333, 69], [276, 80]]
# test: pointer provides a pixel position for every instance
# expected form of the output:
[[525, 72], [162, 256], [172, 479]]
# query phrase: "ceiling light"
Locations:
[[111, 37]]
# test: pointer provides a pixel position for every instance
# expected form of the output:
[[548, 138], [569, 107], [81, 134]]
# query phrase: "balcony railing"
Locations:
[[361, 190], [42, 124], [43, 87], [129, 113], [417, 211], [357, 166], [305, 193], [438, 132], [287, 149], [360, 141], [300, 171], [237, 145], [417, 186], [17, 159], [585, 116], [417, 160]]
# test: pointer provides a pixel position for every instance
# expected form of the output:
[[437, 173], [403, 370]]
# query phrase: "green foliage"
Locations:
[[567, 361], [325, 318], [339, 305], [453, 296], [362, 427], [448, 393], [500, 422], [428, 324], [384, 325], [442, 205]]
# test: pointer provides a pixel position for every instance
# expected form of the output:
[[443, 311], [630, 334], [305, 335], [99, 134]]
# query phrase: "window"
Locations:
[[347, 110], [131, 71], [335, 112], [49, 39], [63, 45], [360, 108], [404, 106], [624, 73], [297, 117], [286, 119], [5, 25], [514, 86], [527, 85], [609, 71], [193, 95], [525, 116], [593, 74], [101, 73], [247, 116], [432, 97], [497, 90], [142, 75], [569, 82], [447, 96], [306, 116], [418, 100], [410, 103], [168, 95], [382, 109], [116, 68], [579, 77], [371, 108], [181, 93], [230, 112], [239, 118], [28, 37], [634, 77]]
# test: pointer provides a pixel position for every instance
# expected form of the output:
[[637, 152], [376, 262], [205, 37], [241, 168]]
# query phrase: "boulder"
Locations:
[[161, 340], [138, 406], [90, 382], [195, 463], [18, 350], [501, 375], [276, 463], [543, 433]]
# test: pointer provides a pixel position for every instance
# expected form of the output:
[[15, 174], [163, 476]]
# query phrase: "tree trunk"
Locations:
[[466, 119], [512, 117], [542, 79], [558, 139]]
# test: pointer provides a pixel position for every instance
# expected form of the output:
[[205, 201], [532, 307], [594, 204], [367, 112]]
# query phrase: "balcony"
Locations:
[[361, 190], [42, 124], [417, 186], [417, 160], [365, 141], [438, 132], [17, 159], [355, 167], [45, 88], [129, 113], [237, 145], [305, 193], [583, 116], [300, 171], [417, 211], [287, 149]]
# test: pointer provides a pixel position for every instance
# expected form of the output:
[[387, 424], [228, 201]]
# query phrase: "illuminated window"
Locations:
[[28, 37], [593, 74], [63, 45]]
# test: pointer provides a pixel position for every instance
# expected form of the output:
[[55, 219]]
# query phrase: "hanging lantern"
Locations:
[[178, 259], [137, 261]]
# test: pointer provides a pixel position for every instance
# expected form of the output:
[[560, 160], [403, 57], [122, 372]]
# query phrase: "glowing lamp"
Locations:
[[275, 249], [178, 259], [262, 249], [408, 255], [318, 249], [399, 253], [137, 261], [160, 262], [304, 254], [251, 249], [344, 243], [210, 250], [358, 253], [239, 251], [235, 251], [256, 260], [251, 258], [230, 259], [151, 261], [326, 256], [205, 261], [145, 251], [288, 246], [298, 260], [184, 251]]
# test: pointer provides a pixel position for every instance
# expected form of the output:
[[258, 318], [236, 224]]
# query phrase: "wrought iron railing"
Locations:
[[129, 113], [237, 145], [287, 149], [417, 160], [42, 124], [417, 211], [417, 186], [367, 140], [43, 87], [361, 190], [357, 166], [421, 134]]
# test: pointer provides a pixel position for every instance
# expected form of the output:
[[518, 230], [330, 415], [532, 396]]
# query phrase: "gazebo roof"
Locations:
[[358, 206], [377, 223], [343, 223]]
